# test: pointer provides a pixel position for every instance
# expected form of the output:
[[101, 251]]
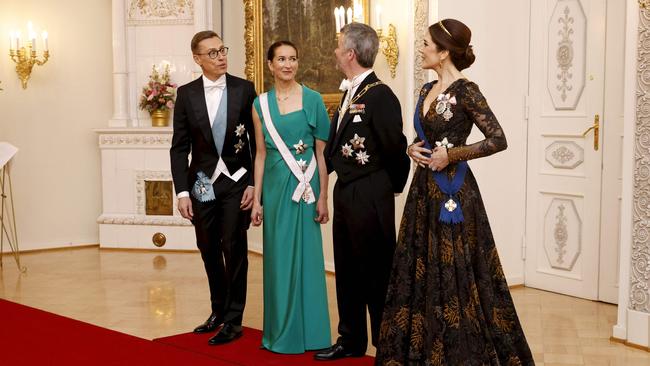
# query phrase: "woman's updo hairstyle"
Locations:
[[270, 54], [454, 36]]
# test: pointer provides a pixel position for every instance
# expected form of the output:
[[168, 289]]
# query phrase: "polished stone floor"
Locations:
[[156, 294]]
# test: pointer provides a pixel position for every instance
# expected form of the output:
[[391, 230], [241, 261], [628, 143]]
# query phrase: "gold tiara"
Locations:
[[445, 29]]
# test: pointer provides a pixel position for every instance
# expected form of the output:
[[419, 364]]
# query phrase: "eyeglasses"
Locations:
[[223, 51]]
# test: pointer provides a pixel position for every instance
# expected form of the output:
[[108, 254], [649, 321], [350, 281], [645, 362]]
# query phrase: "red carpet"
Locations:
[[245, 351], [30, 336]]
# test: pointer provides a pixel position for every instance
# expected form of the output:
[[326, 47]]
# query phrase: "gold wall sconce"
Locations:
[[387, 43], [25, 57]]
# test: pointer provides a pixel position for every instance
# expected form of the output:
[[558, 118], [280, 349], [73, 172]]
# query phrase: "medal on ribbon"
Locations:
[[450, 209], [202, 189], [443, 107]]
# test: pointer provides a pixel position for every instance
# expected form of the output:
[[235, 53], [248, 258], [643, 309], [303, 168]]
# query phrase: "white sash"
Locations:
[[303, 191]]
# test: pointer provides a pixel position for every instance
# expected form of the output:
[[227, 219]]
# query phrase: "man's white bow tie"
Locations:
[[219, 84], [345, 85]]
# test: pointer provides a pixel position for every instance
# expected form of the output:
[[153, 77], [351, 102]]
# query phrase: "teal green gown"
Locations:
[[296, 317]]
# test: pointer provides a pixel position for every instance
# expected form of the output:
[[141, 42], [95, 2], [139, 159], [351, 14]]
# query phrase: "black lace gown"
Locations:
[[448, 302]]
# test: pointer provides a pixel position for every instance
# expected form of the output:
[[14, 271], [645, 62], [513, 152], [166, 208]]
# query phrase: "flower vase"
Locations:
[[160, 118]]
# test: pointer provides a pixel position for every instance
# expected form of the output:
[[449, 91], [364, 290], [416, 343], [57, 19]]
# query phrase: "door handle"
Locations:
[[596, 128]]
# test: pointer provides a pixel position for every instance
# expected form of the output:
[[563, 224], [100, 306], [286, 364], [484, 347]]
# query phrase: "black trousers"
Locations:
[[364, 243], [220, 227]]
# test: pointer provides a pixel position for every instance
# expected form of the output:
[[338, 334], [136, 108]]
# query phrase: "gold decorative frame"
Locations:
[[255, 49]]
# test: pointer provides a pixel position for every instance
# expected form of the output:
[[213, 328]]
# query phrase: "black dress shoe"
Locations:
[[213, 322], [227, 334], [336, 352]]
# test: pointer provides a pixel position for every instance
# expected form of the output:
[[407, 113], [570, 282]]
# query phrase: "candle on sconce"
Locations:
[[31, 34], [341, 16], [11, 41], [358, 11], [44, 36], [349, 15], [378, 17], [337, 19], [17, 40]]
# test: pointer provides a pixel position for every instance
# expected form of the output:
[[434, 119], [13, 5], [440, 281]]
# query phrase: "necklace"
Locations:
[[283, 99]]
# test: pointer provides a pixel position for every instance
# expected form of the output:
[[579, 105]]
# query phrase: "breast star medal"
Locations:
[[300, 147], [357, 142], [362, 157], [239, 130], [239, 146], [346, 150], [443, 107]]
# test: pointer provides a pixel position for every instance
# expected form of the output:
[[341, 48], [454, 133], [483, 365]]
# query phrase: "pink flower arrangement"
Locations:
[[158, 93]]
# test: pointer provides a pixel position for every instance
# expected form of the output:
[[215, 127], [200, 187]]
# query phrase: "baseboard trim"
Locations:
[[629, 344], [55, 249]]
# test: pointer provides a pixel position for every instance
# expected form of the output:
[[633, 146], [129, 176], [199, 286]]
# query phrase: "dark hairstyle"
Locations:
[[271, 52], [200, 37], [454, 36]]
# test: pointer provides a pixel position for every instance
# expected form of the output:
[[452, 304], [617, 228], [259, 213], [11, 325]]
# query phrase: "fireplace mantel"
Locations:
[[130, 158]]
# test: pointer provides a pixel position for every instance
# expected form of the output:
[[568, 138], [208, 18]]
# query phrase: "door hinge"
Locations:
[[523, 247]]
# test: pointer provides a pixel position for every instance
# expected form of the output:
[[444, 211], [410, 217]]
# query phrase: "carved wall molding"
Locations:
[[154, 12], [640, 266], [566, 65], [108, 219], [562, 233], [135, 140], [421, 24], [564, 154]]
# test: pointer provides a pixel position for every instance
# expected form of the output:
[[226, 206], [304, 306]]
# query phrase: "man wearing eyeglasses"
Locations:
[[213, 122]]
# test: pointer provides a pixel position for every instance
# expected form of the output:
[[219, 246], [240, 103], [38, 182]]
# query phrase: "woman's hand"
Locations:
[[322, 212], [257, 214], [416, 151], [439, 159]]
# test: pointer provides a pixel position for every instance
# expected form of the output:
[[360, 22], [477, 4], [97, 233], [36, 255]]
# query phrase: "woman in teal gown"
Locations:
[[296, 317]]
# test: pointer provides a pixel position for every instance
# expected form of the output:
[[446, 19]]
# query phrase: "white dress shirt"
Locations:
[[213, 91], [354, 85]]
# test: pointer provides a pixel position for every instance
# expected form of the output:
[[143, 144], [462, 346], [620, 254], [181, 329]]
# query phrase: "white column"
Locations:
[[120, 73]]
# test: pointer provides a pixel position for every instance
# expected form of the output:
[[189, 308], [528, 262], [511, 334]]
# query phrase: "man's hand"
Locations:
[[416, 152], [185, 207], [247, 199]]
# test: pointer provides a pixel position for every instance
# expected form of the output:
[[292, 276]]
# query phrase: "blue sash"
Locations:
[[450, 210]]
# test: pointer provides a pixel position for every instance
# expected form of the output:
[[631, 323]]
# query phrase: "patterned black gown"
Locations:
[[448, 302]]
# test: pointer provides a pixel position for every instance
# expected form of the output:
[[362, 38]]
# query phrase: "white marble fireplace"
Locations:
[[134, 161], [134, 155]]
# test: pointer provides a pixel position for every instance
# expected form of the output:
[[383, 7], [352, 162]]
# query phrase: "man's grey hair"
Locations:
[[363, 40]]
